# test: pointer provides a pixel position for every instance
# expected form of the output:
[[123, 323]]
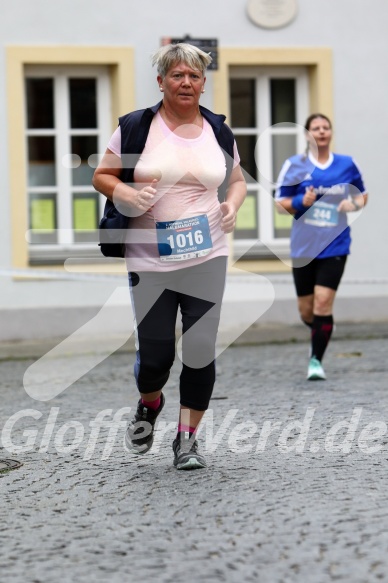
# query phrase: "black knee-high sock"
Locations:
[[320, 335]]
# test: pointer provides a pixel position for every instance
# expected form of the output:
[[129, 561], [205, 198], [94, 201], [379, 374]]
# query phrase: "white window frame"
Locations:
[[263, 129], [66, 247]]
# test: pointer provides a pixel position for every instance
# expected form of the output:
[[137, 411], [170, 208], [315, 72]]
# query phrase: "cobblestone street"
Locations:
[[295, 489]]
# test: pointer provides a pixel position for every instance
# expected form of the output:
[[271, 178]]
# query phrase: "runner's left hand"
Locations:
[[346, 206], [229, 214]]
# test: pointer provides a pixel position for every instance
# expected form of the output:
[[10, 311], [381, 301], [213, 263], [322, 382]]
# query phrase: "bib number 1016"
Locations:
[[184, 238], [181, 240]]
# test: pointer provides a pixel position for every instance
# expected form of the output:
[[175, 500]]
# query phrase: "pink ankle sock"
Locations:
[[184, 428], [154, 405]]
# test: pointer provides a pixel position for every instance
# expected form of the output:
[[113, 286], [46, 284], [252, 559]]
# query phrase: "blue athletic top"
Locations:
[[319, 231]]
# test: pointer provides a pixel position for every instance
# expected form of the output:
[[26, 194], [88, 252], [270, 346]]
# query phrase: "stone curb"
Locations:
[[255, 335]]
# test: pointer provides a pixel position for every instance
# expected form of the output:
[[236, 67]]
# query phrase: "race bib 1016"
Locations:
[[184, 239]]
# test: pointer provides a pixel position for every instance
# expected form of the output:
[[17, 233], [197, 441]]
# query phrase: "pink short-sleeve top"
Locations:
[[189, 172]]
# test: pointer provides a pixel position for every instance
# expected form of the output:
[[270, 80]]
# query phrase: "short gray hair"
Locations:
[[169, 55]]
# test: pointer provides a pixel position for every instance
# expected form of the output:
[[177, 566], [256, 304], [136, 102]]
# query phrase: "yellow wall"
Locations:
[[317, 60], [319, 65], [120, 61]]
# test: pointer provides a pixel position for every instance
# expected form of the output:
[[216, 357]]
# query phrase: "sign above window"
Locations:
[[272, 13], [207, 45]]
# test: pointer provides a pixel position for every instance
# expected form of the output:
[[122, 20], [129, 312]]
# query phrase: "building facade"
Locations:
[[70, 69]]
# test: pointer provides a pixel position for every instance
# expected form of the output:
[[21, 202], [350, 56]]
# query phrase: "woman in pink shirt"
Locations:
[[181, 197]]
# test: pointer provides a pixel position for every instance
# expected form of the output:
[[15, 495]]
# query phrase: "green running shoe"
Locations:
[[315, 370]]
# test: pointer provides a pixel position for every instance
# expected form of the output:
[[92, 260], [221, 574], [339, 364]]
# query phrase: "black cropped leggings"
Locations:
[[156, 297]]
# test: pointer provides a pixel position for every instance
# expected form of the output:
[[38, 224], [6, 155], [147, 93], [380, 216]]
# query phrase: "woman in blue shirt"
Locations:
[[319, 188]]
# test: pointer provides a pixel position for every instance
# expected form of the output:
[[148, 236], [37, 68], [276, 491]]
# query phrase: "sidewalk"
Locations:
[[99, 306], [295, 489], [257, 334]]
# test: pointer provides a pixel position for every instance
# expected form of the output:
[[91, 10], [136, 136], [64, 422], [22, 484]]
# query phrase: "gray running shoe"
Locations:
[[140, 433], [186, 456]]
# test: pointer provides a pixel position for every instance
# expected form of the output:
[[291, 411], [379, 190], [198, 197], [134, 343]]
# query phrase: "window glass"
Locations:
[[41, 161], [63, 129], [247, 217], [43, 218], [282, 223], [83, 103], [85, 217], [283, 146], [266, 104], [283, 106], [83, 146], [242, 100], [246, 149], [40, 103]]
